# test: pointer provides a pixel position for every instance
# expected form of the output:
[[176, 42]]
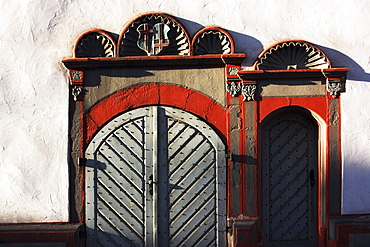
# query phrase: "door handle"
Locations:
[[150, 185], [312, 178]]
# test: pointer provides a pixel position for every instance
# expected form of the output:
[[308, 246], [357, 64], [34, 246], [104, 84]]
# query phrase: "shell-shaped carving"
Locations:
[[177, 42], [212, 42], [95, 44], [293, 55]]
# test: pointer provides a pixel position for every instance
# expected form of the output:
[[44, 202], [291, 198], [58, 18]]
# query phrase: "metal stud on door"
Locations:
[[150, 172]]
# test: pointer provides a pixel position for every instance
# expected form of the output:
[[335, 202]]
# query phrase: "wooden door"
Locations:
[[289, 168], [156, 176]]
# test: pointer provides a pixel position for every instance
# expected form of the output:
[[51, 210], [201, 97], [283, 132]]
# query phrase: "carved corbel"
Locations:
[[76, 77], [76, 91], [249, 91], [76, 81], [334, 86], [233, 88]]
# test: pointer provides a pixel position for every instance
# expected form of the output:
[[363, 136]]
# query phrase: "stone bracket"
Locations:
[[248, 90], [334, 86]]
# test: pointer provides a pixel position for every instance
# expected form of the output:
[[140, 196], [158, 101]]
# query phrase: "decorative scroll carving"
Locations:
[[95, 45], [212, 42], [233, 88], [154, 34], [334, 89], [293, 55], [248, 91], [76, 91]]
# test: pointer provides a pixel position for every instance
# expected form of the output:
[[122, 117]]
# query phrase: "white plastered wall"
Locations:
[[36, 34]]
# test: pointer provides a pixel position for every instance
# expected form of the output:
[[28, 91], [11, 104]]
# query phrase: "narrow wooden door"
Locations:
[[155, 176], [290, 162]]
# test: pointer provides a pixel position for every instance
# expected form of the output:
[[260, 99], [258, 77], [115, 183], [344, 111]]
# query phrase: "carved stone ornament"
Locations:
[[233, 88], [95, 45], [154, 34], [334, 89], [76, 75], [233, 70], [76, 91], [212, 42], [293, 55], [248, 91]]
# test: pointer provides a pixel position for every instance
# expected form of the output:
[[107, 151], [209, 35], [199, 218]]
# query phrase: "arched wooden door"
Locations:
[[156, 176], [289, 174]]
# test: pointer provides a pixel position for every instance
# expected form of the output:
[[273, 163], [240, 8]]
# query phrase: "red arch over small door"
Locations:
[[155, 94]]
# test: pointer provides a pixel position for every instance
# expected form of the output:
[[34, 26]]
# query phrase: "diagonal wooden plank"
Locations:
[[193, 222], [193, 202], [104, 238], [300, 161], [183, 180], [205, 235], [119, 159], [117, 203], [105, 224], [118, 173]]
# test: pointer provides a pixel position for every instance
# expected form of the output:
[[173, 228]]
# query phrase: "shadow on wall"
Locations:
[[243, 43], [338, 59], [252, 47], [355, 185]]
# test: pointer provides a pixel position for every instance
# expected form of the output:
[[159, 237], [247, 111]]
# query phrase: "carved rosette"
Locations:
[[212, 42], [95, 44], [293, 55]]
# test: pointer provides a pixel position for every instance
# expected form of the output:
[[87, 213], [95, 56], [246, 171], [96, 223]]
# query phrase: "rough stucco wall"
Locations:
[[35, 35]]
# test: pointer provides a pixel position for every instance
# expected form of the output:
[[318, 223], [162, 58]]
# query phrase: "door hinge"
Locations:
[[82, 161], [229, 156]]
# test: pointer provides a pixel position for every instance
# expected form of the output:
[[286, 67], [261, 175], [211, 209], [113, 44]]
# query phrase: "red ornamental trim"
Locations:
[[155, 94], [318, 105]]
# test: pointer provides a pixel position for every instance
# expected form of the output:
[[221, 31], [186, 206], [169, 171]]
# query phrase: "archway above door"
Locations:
[[156, 94]]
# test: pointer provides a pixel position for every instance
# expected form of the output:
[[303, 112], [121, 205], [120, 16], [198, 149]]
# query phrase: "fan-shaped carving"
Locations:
[[154, 34], [293, 55], [95, 45], [212, 42]]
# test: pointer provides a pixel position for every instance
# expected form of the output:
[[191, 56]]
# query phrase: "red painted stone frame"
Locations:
[[326, 111], [85, 123]]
